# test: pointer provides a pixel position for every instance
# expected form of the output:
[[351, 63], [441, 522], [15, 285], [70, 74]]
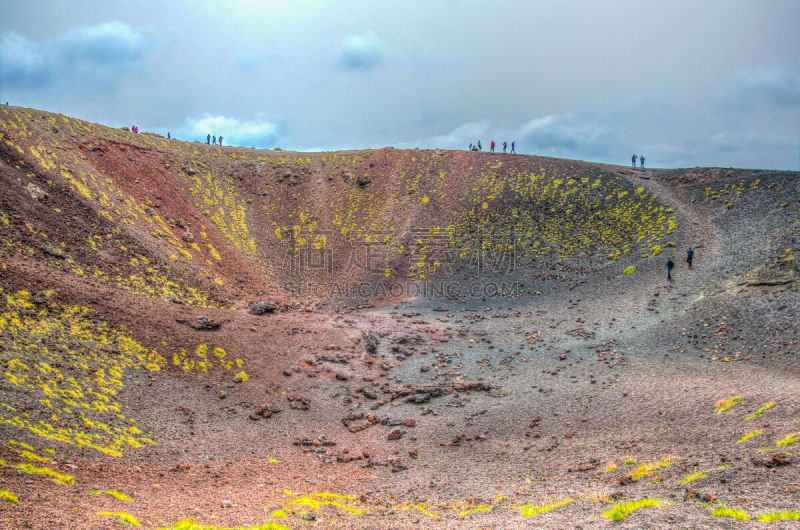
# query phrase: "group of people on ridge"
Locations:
[[671, 264], [479, 147], [633, 161], [213, 140]]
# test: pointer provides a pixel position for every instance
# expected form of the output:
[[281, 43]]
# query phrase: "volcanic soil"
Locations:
[[547, 390]]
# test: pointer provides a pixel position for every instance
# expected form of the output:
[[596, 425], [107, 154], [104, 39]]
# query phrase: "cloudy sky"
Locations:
[[685, 82]]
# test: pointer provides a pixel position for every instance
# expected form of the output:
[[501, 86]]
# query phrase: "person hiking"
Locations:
[[641, 161], [214, 140], [633, 161], [479, 146], [512, 148], [169, 136], [689, 257], [504, 146], [220, 141], [469, 148], [491, 146], [208, 139], [670, 266]]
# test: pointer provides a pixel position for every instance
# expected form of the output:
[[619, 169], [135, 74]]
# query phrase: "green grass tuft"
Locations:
[[733, 513], [748, 436], [701, 474], [646, 469], [529, 510], [726, 404], [779, 516], [789, 440], [759, 412], [621, 510], [188, 524]]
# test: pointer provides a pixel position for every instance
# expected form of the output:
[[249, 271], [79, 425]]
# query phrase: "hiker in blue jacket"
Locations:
[[689, 257]]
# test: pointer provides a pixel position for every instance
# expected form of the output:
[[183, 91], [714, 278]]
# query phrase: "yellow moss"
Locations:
[[8, 496], [733, 513], [622, 510], [125, 518], [119, 496], [46, 471], [646, 469]]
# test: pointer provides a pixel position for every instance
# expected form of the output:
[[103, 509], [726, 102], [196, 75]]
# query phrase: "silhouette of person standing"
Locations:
[[220, 141], [491, 146], [479, 146], [633, 161], [641, 161], [512, 148], [504, 146], [670, 266], [689, 257], [208, 139]]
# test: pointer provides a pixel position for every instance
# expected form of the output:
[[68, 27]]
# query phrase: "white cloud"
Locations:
[[361, 52], [751, 142], [566, 135], [22, 60], [763, 86], [458, 138], [85, 59], [260, 134]]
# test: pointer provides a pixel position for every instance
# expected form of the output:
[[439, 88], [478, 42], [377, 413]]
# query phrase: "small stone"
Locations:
[[396, 434], [222, 394], [227, 504], [309, 517], [409, 422]]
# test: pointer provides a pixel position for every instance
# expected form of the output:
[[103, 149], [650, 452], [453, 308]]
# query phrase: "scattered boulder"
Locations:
[[423, 393], [36, 192], [396, 434], [778, 460], [370, 341], [363, 180], [265, 411], [262, 307], [204, 323], [56, 252], [188, 237], [298, 402]]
